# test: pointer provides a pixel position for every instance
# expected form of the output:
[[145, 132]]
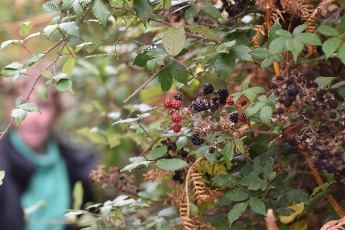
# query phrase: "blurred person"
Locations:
[[39, 167]]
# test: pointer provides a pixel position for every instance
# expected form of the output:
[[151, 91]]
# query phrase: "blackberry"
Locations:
[[309, 76], [229, 101], [211, 150], [292, 90], [289, 81], [242, 102], [332, 115], [292, 142], [208, 88], [223, 95], [197, 140], [177, 177], [176, 127], [233, 117], [242, 117], [280, 110], [333, 104], [183, 153], [167, 103], [320, 94], [287, 103], [272, 85], [176, 104], [280, 78], [199, 106], [178, 97], [324, 129]]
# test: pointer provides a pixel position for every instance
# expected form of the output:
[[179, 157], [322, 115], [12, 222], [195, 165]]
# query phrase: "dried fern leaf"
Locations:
[[270, 220]]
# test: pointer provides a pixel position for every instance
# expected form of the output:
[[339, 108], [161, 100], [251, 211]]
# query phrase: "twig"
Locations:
[[335, 14], [149, 136]]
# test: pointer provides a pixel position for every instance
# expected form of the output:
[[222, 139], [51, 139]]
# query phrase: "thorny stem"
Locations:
[[319, 181], [149, 136]]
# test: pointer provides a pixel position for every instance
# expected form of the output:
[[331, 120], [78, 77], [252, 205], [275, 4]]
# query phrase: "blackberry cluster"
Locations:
[[197, 140], [199, 106], [208, 88], [233, 117]]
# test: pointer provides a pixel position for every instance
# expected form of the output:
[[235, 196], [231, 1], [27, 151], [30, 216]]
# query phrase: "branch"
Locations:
[[335, 14]]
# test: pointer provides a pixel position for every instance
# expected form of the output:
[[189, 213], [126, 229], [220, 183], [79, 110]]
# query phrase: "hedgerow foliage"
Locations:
[[258, 93]]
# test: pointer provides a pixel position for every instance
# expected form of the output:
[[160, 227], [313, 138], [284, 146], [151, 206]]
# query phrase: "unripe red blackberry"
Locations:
[[196, 139], [292, 90], [176, 117], [242, 117], [176, 127], [242, 102], [176, 104], [223, 95], [208, 88], [233, 117], [167, 103], [178, 97], [199, 106], [229, 101]]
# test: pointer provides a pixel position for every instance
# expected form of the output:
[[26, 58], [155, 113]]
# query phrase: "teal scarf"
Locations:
[[49, 184]]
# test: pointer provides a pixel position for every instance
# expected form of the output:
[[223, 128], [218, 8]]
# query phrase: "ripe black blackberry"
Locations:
[[177, 177], [333, 104], [233, 117], [332, 115], [320, 94], [287, 102], [183, 153], [280, 110], [178, 97], [199, 106], [309, 76], [292, 142], [223, 95], [208, 88], [197, 140], [280, 78], [292, 90], [272, 85], [211, 150], [324, 129]]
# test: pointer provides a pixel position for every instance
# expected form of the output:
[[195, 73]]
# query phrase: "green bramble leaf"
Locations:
[[9, 42], [173, 40], [143, 9], [25, 28], [299, 29], [237, 194], [68, 66], [295, 46], [257, 206], [222, 181], [171, 164], [78, 193], [181, 142], [324, 82], [211, 11], [165, 79], [327, 30], [337, 85], [101, 10], [202, 151], [239, 145], [260, 53], [223, 63], [32, 36], [141, 59], [29, 107], [242, 52], [342, 25], [236, 212], [33, 60], [191, 13], [49, 30], [341, 53], [206, 32], [309, 38], [266, 114], [331, 45], [19, 115], [157, 152], [228, 153], [64, 85], [272, 35], [51, 7], [153, 63], [18, 101], [253, 182], [67, 5], [178, 71], [255, 108], [70, 28], [78, 8], [267, 62], [277, 45], [135, 162]]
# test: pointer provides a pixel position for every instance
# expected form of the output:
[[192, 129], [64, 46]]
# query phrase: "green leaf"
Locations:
[[324, 82], [157, 152], [212, 11], [223, 63], [66, 5], [237, 194], [266, 114], [257, 206], [143, 9], [18, 101], [224, 181], [254, 108], [2, 176], [68, 66], [32, 36], [191, 13], [64, 85], [253, 182], [178, 71], [242, 52], [33, 60], [70, 28], [309, 38], [101, 11], [47, 74], [25, 28], [51, 7], [78, 8], [284, 33], [141, 59], [272, 34], [267, 62], [228, 153], [29, 107], [322, 187], [299, 29], [277, 45], [327, 30], [331, 45], [337, 85], [173, 40], [295, 46], [342, 25], [202, 151], [78, 193], [224, 47], [341, 52], [165, 79], [260, 53], [135, 162], [171, 164], [153, 63], [19, 115], [9, 42], [297, 196], [181, 142], [206, 32], [49, 30], [236, 212], [239, 145]]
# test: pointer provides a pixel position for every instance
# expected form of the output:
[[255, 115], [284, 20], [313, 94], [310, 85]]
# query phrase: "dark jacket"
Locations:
[[17, 176]]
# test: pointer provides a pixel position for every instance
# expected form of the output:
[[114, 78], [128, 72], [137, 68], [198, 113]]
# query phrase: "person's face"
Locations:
[[36, 127]]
